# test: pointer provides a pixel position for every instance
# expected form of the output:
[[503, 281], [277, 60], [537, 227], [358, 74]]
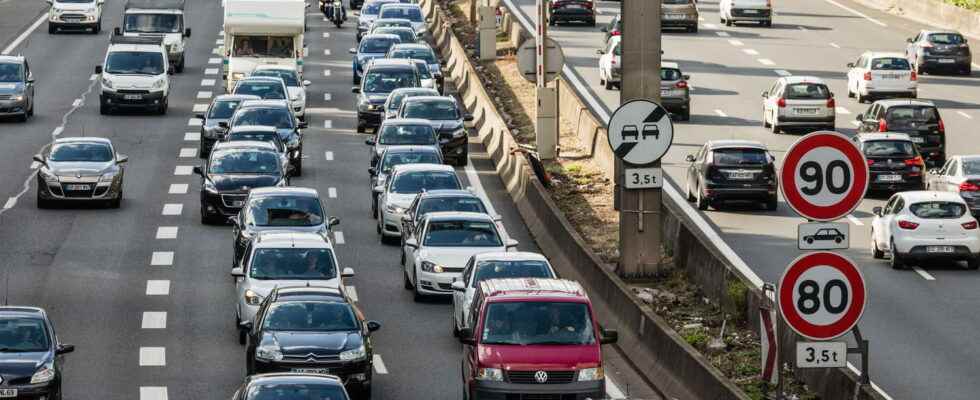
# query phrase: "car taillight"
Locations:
[[926, 45], [969, 187], [867, 76], [915, 162], [907, 224], [915, 76], [882, 125], [831, 103], [942, 126], [781, 103], [969, 225], [613, 61], [681, 85], [615, 32]]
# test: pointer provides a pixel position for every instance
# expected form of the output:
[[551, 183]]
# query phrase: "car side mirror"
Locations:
[[369, 142], [187, 32], [412, 243], [304, 125], [850, 65], [352, 50], [237, 271], [934, 171], [373, 326], [348, 272], [468, 117], [686, 77], [223, 125], [245, 325], [859, 118], [466, 336], [30, 78], [355, 89], [98, 69], [39, 158], [765, 94], [876, 211], [609, 336], [233, 219], [372, 171], [199, 116], [198, 170], [689, 158], [459, 286], [333, 221], [116, 31], [122, 159], [64, 348], [307, 83], [511, 243], [378, 189]]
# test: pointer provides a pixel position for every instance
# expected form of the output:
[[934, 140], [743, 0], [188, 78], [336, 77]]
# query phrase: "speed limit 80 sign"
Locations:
[[821, 295], [824, 176]]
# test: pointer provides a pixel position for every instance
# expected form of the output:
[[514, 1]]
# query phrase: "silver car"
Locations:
[[401, 132], [394, 101], [403, 184], [16, 88], [80, 169], [960, 174]]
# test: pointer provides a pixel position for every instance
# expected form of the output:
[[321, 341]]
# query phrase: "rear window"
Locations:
[[462, 234], [499, 269], [971, 167], [807, 91], [889, 148], [670, 74], [740, 156], [938, 209], [946, 38], [890, 64], [918, 114]]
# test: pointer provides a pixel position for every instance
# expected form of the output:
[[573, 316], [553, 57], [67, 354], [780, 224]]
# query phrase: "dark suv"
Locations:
[[231, 171], [939, 50], [918, 118], [571, 11], [893, 160], [381, 77], [726, 170]]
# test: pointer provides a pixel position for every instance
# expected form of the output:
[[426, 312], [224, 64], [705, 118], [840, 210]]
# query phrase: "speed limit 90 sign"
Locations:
[[822, 295], [824, 176]]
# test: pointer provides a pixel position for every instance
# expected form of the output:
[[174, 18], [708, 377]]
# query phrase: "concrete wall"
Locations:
[[932, 12]]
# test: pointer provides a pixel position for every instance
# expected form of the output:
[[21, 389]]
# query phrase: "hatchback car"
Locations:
[[894, 163], [675, 94], [231, 171], [31, 356], [939, 50], [393, 156], [80, 169], [441, 245], [732, 11], [446, 117], [610, 63], [274, 113], [445, 200], [680, 14], [420, 51], [879, 74], [725, 170], [220, 110], [296, 209], [409, 11], [401, 132], [564, 11], [486, 266], [404, 183], [925, 226], [799, 102], [291, 385], [295, 87], [372, 46], [918, 118], [16, 88], [313, 330], [960, 174], [394, 100], [367, 16], [381, 78]]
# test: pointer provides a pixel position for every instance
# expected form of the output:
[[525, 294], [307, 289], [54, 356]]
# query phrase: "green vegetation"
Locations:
[[967, 4]]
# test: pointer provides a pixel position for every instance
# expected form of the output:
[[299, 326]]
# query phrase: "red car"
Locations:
[[572, 11], [533, 337]]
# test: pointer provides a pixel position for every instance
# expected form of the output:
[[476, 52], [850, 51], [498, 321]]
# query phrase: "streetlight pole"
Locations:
[[546, 118]]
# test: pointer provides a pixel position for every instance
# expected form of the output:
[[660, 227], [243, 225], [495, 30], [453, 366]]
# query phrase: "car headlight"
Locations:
[[107, 177], [459, 133], [43, 375], [107, 83], [269, 351], [48, 177], [591, 374], [363, 105], [353, 354], [394, 209], [56, 10], [252, 298], [18, 97], [490, 374], [429, 266], [209, 187], [160, 83], [374, 107]]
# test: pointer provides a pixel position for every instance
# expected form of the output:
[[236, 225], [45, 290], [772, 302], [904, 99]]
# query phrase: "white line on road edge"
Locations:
[[964, 115], [188, 152], [858, 13], [167, 232], [172, 209], [338, 237], [11, 202], [854, 220], [157, 287], [379, 365], [153, 393], [328, 155], [154, 320], [76, 103], [326, 35], [750, 52], [327, 124], [177, 188], [834, 45], [766, 61], [162, 258], [735, 42], [710, 26], [783, 72], [327, 97], [477, 185], [192, 136], [925, 275], [721, 113], [332, 192], [153, 356], [843, 111], [613, 391], [352, 293], [722, 34], [25, 34]]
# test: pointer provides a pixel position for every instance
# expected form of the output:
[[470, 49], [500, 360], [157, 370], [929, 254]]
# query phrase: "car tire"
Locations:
[[43, 203], [876, 253], [374, 207], [702, 203], [103, 109], [416, 296], [242, 337], [687, 189], [896, 259], [360, 128], [693, 29], [966, 71], [729, 22], [116, 202], [363, 392], [298, 167], [180, 66], [686, 115], [98, 28], [52, 29], [609, 85], [973, 263], [774, 126], [22, 117], [773, 204], [30, 111], [850, 94], [206, 218], [408, 283], [462, 160], [455, 328], [861, 98]]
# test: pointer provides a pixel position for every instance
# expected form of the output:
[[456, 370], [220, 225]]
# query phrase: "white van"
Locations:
[[258, 32], [135, 74], [158, 19]]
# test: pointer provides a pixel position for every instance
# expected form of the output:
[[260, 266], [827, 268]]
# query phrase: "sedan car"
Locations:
[[31, 356], [16, 88], [918, 118], [960, 174], [394, 100], [923, 226], [439, 248], [405, 33], [381, 78], [420, 51], [274, 113], [297, 209], [447, 118], [565, 11], [725, 170], [933, 50], [291, 385], [401, 132], [231, 171], [798, 102], [294, 86], [403, 184], [372, 46], [367, 16], [485, 266], [313, 330], [881, 74], [894, 163], [220, 110], [409, 11], [397, 155], [80, 169]]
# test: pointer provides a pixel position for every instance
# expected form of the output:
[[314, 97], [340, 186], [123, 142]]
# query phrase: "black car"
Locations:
[[220, 110], [939, 50], [274, 113], [441, 201], [894, 163], [312, 330], [268, 134], [233, 169], [297, 209], [30, 355], [381, 77], [571, 11], [282, 386], [726, 170], [446, 118], [919, 119]]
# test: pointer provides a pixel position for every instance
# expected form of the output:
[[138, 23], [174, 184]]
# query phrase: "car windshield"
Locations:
[[441, 110], [377, 45], [406, 35], [740, 156], [244, 161], [938, 209], [152, 23], [407, 135], [278, 117], [416, 157], [373, 8], [890, 64], [295, 391], [289, 77], [311, 316], [292, 263], [670, 74], [946, 38], [413, 14], [807, 91], [917, 114], [498, 269], [462, 234], [76, 1], [385, 23], [537, 323], [423, 69], [388, 80], [286, 211], [416, 181], [618, 51], [81, 152], [971, 166], [134, 62], [455, 203], [266, 90], [397, 97], [11, 72], [423, 54], [223, 109], [263, 46], [256, 136], [23, 334], [889, 148]]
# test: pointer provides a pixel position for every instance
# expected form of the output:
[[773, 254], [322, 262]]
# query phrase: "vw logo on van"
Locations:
[[541, 376]]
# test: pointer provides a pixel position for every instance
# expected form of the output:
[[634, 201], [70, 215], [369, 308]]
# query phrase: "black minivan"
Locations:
[[918, 118], [732, 170]]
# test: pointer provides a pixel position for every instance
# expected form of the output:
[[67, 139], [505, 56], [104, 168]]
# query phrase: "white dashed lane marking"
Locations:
[[157, 287], [183, 170], [154, 320], [766, 61], [211, 71], [751, 52], [338, 237], [172, 209], [177, 188], [207, 82], [188, 152], [964, 115], [153, 356], [352, 293], [204, 94], [736, 42], [854, 220], [327, 97], [332, 192], [162, 258], [200, 108], [379, 365], [167, 232], [722, 34], [326, 35], [721, 113], [327, 124], [925, 275], [192, 136], [153, 393], [214, 61], [710, 26], [326, 72], [326, 52], [834, 45], [328, 155], [194, 122]]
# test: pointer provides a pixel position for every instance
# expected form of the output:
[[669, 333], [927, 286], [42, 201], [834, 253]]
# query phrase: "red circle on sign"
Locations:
[[795, 199], [788, 284]]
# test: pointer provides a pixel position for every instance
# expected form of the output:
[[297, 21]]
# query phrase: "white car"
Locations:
[[925, 225], [403, 184], [732, 11], [409, 11], [484, 266], [75, 14], [610, 64], [280, 259], [961, 175], [798, 101], [442, 243], [134, 74], [294, 86], [881, 74]]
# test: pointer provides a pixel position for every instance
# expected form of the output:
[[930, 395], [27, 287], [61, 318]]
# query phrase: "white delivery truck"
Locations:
[[158, 19], [261, 32]]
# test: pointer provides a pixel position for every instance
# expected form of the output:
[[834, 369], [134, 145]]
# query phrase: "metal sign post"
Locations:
[[546, 121]]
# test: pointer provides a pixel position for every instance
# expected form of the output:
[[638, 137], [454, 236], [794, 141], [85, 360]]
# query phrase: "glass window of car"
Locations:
[[244, 161], [152, 23], [258, 136], [416, 157], [263, 46], [451, 203], [416, 181], [23, 334], [11, 72], [423, 69], [946, 38], [223, 109], [890, 64], [384, 81], [413, 14], [498, 269], [134, 63], [279, 117], [891, 204], [405, 35], [807, 91], [375, 45], [292, 391], [462, 234], [889, 148], [391, 23], [736, 156], [81, 152], [899, 205], [440, 110], [937, 209], [373, 7], [397, 97], [292, 263], [407, 135], [310, 316], [971, 166], [288, 76], [670, 74], [912, 113], [266, 89], [537, 322], [286, 211], [416, 53]]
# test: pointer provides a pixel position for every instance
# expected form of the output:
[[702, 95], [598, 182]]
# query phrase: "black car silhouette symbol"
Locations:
[[631, 131], [651, 130], [825, 234]]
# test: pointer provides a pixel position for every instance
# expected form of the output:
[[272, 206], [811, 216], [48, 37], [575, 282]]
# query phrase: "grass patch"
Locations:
[[973, 5]]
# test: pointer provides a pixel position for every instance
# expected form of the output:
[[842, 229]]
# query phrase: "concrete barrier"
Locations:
[[931, 12]]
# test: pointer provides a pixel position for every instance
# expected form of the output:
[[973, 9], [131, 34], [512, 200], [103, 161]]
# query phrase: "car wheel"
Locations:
[[772, 204], [701, 201], [609, 85], [98, 28], [374, 208], [103, 109], [378, 226], [861, 98], [973, 263], [116, 202], [206, 218], [364, 392], [765, 122], [416, 296], [897, 262], [850, 94], [966, 71], [809, 240], [180, 66], [455, 328], [774, 126], [298, 167], [875, 252], [22, 117], [242, 337], [52, 29], [43, 203], [686, 115], [693, 29], [463, 160], [687, 189], [360, 128], [30, 111], [728, 22], [408, 283]]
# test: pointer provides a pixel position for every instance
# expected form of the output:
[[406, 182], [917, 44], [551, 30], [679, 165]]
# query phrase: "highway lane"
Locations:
[[911, 321]]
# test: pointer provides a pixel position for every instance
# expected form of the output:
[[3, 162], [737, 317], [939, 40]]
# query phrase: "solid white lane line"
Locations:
[[153, 356], [327, 124], [92, 78], [332, 192], [76, 103], [925, 275], [854, 220], [736, 42], [57, 131], [192, 136], [177, 188], [338, 237], [842, 110], [153, 392], [721, 113], [612, 390], [326, 72], [858, 13], [207, 82], [154, 320], [162, 258], [802, 28], [352, 293], [328, 155], [722, 34], [964, 115], [766, 61], [379, 365], [188, 152], [200, 108], [11, 202], [214, 60], [750, 52], [211, 71], [204, 94], [25, 34], [172, 209], [182, 170], [834, 45], [474, 180], [783, 72], [194, 122], [157, 287], [167, 232], [327, 97]]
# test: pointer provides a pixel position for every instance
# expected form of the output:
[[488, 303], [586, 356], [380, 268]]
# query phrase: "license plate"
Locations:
[[132, 96], [918, 139], [740, 176], [939, 249], [946, 60], [77, 187], [311, 370], [73, 20], [750, 11], [664, 92], [8, 392], [808, 111], [574, 6], [891, 76], [889, 178], [674, 16]]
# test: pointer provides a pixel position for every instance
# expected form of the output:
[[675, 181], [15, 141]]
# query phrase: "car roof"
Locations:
[[864, 137], [264, 103], [458, 215], [11, 59], [448, 193], [930, 195], [393, 20], [735, 143], [430, 98], [285, 238], [395, 28], [882, 54], [411, 45], [283, 191], [932, 31], [83, 139], [406, 121], [260, 78], [380, 36], [391, 62], [402, 5], [802, 79], [245, 144], [411, 148], [403, 168], [240, 97], [415, 90], [308, 293], [253, 128], [905, 102], [23, 311], [292, 378], [524, 287], [510, 256]]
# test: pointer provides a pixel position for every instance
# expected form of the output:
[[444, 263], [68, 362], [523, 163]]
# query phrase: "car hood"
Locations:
[[316, 343], [539, 357], [264, 286], [15, 365], [75, 6], [295, 92], [11, 87], [78, 168], [455, 257], [132, 81], [376, 98], [242, 182]]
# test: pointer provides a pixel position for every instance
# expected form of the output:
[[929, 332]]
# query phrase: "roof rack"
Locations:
[[151, 40], [155, 4]]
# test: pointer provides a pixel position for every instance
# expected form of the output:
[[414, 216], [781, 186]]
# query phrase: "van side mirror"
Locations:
[[245, 325], [307, 83], [609, 336], [378, 189], [187, 32], [122, 159], [198, 170], [373, 171], [876, 211], [237, 271], [352, 50], [64, 348], [411, 243], [199, 116], [369, 142], [304, 124], [233, 219], [39, 158], [348, 272], [466, 336], [468, 117], [689, 158], [355, 89], [909, 40], [98, 69]]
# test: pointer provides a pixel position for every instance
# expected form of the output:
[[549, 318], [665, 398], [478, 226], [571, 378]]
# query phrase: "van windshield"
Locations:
[[526, 323], [153, 23], [264, 46], [134, 63]]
